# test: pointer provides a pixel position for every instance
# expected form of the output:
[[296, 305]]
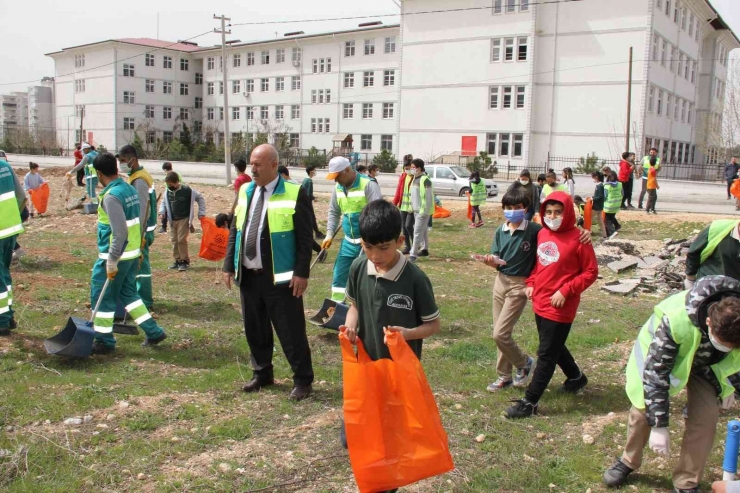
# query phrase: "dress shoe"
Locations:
[[153, 342], [300, 392], [256, 383]]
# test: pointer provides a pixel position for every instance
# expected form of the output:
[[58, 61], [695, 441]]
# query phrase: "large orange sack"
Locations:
[[735, 188], [40, 198], [441, 212], [588, 213], [214, 240], [394, 433]]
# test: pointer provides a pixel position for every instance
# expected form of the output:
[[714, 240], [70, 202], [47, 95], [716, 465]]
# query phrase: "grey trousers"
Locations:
[[421, 233]]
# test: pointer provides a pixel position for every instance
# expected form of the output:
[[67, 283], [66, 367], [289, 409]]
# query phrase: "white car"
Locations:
[[454, 180], [3, 156]]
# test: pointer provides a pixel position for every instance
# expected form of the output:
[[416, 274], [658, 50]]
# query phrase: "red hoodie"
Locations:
[[563, 264], [398, 197], [624, 171]]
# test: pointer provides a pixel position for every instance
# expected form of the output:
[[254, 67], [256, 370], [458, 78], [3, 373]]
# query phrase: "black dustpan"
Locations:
[[119, 322], [337, 319]]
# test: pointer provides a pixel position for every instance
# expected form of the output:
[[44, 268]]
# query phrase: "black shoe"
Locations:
[[183, 266], [4, 331], [690, 490], [522, 409], [174, 266], [100, 348], [153, 342], [576, 384], [162, 230], [300, 392], [615, 476], [406, 251], [639, 206], [256, 383], [322, 256], [630, 206], [12, 325], [424, 253]]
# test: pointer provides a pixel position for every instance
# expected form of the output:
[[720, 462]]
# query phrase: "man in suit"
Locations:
[[268, 257]]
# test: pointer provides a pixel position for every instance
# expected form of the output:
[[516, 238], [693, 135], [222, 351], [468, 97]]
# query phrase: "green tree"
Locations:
[[186, 139], [589, 164], [387, 162], [177, 151], [484, 165], [315, 158], [139, 146]]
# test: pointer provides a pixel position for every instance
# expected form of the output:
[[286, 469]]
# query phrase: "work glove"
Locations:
[[111, 269], [326, 243], [660, 441], [727, 402], [688, 283]]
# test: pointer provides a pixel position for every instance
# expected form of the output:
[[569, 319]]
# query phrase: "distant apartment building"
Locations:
[[13, 112]]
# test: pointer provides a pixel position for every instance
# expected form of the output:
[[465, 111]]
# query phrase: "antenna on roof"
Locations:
[[368, 24]]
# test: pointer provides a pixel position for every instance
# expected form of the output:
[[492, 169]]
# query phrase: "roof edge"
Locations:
[[723, 22]]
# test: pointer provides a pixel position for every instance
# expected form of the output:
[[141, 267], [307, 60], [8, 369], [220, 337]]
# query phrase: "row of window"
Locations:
[[503, 97], [511, 5], [515, 49], [672, 152], [368, 79], [320, 126], [369, 47], [679, 62], [167, 136], [680, 16], [79, 61], [722, 53], [500, 144], [674, 107], [129, 97], [251, 112], [166, 87], [250, 58], [150, 61], [348, 111], [236, 85]]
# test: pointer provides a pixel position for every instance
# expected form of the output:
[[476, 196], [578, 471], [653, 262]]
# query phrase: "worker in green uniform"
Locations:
[[119, 249], [12, 202], [91, 178], [716, 251]]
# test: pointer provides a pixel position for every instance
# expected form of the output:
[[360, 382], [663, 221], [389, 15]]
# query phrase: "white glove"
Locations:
[[688, 284], [728, 402], [660, 441]]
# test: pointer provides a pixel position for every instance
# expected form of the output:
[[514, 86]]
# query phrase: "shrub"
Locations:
[[387, 162], [484, 165], [589, 164], [315, 158]]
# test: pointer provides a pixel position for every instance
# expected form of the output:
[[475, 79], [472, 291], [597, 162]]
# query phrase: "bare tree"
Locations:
[[718, 131]]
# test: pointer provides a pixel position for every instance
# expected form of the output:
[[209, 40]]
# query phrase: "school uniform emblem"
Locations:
[[526, 246], [400, 301]]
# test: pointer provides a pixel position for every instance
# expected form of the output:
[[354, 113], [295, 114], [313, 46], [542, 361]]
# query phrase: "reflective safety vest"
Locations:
[[479, 194], [422, 193], [646, 165], [613, 197], [718, 230], [351, 206], [10, 215], [127, 196], [280, 210], [406, 194], [142, 174], [559, 187], [688, 338], [89, 168]]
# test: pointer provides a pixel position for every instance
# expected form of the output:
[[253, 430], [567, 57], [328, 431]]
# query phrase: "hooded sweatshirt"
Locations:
[[563, 264]]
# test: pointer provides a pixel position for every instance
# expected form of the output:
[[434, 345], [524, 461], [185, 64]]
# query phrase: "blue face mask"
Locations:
[[515, 216]]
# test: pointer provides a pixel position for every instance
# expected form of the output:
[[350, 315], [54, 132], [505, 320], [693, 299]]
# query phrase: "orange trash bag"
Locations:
[[40, 198], [394, 433], [735, 189], [588, 213], [470, 207], [214, 241], [441, 212]]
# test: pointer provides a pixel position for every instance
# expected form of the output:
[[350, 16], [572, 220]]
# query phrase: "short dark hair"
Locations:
[[33, 165], [380, 222], [172, 177], [597, 174], [516, 196], [224, 220], [578, 200], [653, 161], [310, 168], [372, 167], [128, 151], [525, 172], [541, 177], [106, 163], [551, 174], [613, 176], [474, 175], [626, 154], [167, 166], [653, 149], [361, 168], [419, 163], [78, 146], [241, 165], [283, 170], [724, 318]]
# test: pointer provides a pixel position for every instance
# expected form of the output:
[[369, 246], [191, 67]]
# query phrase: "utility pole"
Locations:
[[82, 132], [225, 68], [629, 106]]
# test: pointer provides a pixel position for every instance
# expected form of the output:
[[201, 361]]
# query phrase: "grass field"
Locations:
[[175, 419]]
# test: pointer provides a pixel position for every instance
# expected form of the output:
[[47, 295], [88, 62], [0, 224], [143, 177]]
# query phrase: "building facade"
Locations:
[[13, 112]]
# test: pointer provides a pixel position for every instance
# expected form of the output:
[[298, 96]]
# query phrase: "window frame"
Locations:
[[369, 47]]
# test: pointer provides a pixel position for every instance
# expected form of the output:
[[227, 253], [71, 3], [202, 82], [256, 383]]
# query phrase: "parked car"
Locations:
[[3, 156], [453, 180]]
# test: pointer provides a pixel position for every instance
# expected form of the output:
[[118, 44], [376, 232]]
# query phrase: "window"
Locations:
[[210, 63], [80, 85], [221, 113], [697, 33], [209, 114], [348, 111], [166, 87], [328, 96], [656, 41], [366, 142], [651, 99], [508, 49], [167, 62], [128, 70], [295, 112], [349, 48], [198, 79], [672, 63], [493, 97], [167, 113], [675, 12], [319, 98], [496, 50], [295, 83], [659, 109], [295, 141], [668, 105], [518, 145], [129, 97], [209, 88], [675, 109], [184, 64], [521, 49], [349, 79], [523, 5], [386, 142], [80, 61], [369, 46], [667, 7], [686, 68], [693, 72], [266, 57], [149, 111], [149, 85], [236, 113], [390, 44], [280, 55], [128, 123], [679, 72], [368, 79], [264, 114], [683, 18], [237, 60], [367, 111], [149, 60], [387, 111], [507, 97], [520, 96], [250, 86], [297, 56], [184, 114], [166, 137], [683, 111], [236, 86], [279, 83], [491, 143], [664, 52], [184, 89], [389, 77], [151, 137], [503, 149], [264, 85], [250, 59], [198, 102], [497, 6], [250, 112], [79, 111], [314, 96], [691, 24], [510, 6]]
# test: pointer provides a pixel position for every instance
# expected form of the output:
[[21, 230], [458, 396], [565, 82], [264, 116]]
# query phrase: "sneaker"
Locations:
[[424, 253], [500, 384], [174, 266], [4, 331], [615, 476], [472, 225], [630, 206], [613, 235], [689, 490], [639, 206], [12, 325], [322, 256], [100, 348], [184, 265], [522, 409], [576, 384], [413, 258], [521, 379], [153, 342], [655, 212]]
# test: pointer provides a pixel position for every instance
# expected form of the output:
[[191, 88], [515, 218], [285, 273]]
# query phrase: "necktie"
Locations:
[[254, 226]]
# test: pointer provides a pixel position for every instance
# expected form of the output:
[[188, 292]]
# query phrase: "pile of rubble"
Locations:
[[659, 271]]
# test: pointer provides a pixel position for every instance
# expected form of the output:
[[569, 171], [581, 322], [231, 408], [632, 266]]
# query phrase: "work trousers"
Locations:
[[144, 272], [509, 300], [91, 185], [348, 252], [652, 199], [643, 190], [264, 306], [551, 353], [419, 223], [408, 234], [80, 177], [314, 222], [179, 232], [698, 436], [611, 223], [7, 245], [598, 218], [627, 191], [122, 287]]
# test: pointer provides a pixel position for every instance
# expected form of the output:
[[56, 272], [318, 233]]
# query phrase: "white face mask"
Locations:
[[717, 345], [524, 182], [554, 224]]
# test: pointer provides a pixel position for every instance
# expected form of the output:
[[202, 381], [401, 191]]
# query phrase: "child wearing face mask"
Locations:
[[564, 269], [598, 202], [612, 203], [178, 207], [532, 190], [477, 198]]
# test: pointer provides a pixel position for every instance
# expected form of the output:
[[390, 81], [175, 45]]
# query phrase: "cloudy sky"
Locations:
[[32, 28]]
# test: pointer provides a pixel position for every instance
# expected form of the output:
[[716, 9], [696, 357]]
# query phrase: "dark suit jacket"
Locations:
[[303, 225]]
